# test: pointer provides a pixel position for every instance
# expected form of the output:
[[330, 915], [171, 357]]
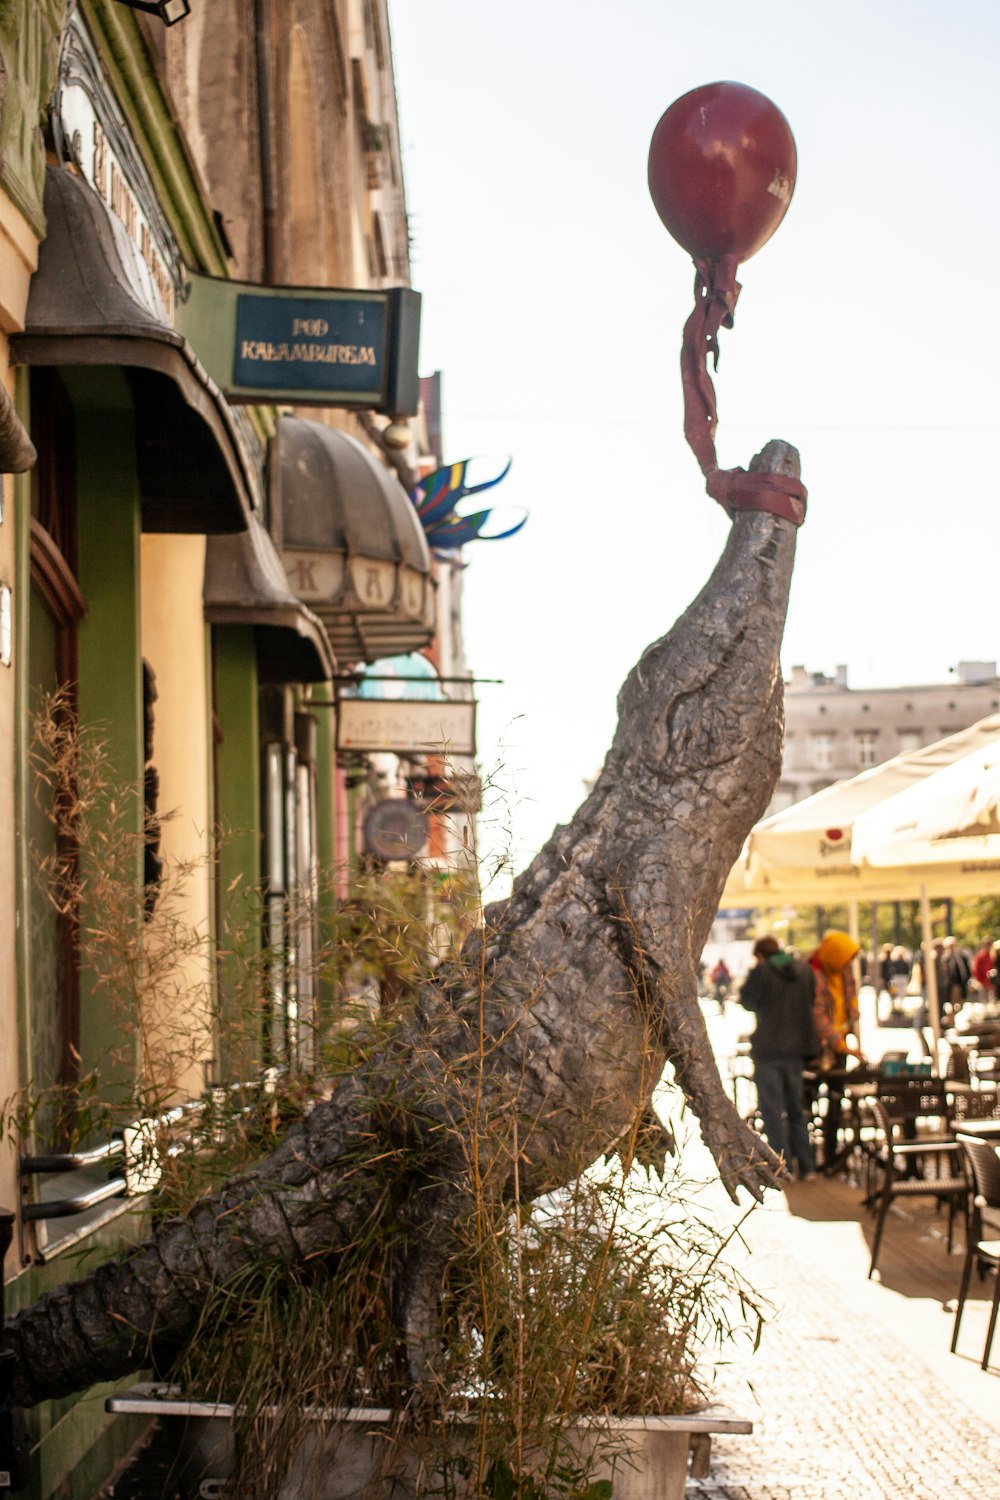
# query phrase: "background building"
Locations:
[[833, 731]]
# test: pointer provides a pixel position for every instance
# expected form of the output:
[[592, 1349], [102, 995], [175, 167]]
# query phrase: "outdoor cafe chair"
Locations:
[[984, 1163], [897, 1167], [910, 1102]]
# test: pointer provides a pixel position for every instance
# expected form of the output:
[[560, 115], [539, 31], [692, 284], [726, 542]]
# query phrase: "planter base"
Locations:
[[343, 1456]]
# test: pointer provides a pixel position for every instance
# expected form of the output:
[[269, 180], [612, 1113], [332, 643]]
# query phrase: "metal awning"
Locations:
[[350, 542], [245, 584], [92, 302]]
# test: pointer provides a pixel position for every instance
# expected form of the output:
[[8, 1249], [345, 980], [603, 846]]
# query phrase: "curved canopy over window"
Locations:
[[245, 584], [350, 542], [92, 302]]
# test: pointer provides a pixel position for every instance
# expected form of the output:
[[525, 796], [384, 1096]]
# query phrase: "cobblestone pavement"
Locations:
[[843, 1406], [845, 1412]]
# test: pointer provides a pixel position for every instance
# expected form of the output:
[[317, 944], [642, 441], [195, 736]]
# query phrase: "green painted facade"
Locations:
[[325, 761], [325, 851], [238, 822], [110, 663], [74, 1443]]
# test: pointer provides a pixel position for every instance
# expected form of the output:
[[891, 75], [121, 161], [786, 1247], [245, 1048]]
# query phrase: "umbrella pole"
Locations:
[[854, 931], [930, 975]]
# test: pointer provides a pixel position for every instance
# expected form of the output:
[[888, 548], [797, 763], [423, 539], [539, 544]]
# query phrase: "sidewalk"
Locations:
[[853, 1392], [847, 1406]]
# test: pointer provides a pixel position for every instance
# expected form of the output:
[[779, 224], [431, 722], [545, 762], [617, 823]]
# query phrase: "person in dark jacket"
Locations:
[[957, 973], [780, 992]]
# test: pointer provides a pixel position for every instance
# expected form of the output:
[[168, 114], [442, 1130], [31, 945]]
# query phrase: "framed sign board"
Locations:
[[406, 727], [306, 346]]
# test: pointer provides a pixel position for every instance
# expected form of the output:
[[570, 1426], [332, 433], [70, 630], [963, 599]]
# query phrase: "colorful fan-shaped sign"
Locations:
[[437, 495], [437, 499], [483, 526]]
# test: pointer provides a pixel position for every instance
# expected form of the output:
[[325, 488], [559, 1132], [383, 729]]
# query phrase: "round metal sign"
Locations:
[[395, 829]]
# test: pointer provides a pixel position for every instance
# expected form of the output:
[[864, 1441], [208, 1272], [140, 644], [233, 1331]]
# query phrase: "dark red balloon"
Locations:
[[722, 170]]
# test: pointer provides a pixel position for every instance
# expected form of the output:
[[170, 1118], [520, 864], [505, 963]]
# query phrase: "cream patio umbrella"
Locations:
[[807, 855], [952, 815], [944, 829]]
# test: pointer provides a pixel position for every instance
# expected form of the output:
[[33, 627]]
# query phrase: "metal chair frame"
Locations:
[[906, 1100], [912, 1100], [984, 1164]]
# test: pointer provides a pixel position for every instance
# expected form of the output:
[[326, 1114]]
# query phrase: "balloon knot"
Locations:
[[738, 489]]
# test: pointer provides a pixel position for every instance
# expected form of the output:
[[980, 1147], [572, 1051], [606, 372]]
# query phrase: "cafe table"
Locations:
[[989, 1130]]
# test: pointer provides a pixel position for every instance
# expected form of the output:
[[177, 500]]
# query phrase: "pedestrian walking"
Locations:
[[957, 973], [780, 992], [982, 965], [721, 978], [941, 975], [896, 978], [836, 1017]]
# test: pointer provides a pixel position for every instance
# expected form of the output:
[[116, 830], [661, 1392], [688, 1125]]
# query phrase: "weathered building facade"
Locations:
[[184, 578]]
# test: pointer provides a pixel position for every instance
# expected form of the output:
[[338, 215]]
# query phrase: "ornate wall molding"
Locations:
[[91, 132], [30, 32]]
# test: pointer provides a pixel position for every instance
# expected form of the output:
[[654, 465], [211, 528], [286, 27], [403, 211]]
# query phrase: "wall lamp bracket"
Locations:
[[169, 11]]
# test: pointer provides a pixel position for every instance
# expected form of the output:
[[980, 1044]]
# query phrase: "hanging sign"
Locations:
[[307, 346], [406, 727]]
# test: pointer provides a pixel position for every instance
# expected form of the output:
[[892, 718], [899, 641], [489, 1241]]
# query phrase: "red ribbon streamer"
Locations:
[[716, 291]]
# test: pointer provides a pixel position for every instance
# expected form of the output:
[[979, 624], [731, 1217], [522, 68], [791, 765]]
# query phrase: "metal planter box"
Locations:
[[342, 1458]]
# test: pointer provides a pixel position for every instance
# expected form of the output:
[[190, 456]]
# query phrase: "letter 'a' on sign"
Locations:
[[307, 346]]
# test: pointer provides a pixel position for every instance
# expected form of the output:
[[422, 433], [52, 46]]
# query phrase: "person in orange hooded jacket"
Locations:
[[835, 1011]]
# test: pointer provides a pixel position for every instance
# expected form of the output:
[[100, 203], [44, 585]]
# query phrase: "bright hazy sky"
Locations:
[[867, 334]]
